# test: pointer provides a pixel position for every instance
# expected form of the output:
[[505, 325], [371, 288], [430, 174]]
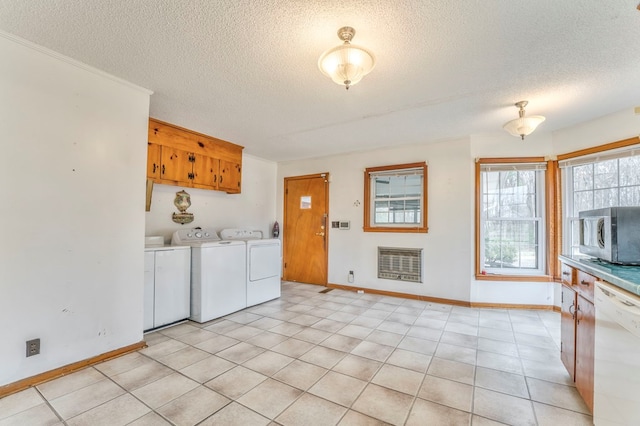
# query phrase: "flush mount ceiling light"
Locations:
[[346, 64], [523, 126]]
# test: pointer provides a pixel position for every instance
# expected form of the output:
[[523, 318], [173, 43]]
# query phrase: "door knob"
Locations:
[[320, 234]]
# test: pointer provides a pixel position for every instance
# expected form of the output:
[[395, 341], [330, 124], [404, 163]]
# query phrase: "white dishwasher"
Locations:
[[616, 396]]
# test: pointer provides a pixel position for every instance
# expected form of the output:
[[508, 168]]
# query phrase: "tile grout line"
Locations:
[[46, 401]]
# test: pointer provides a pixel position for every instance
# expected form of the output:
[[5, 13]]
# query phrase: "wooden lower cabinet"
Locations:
[[577, 328]]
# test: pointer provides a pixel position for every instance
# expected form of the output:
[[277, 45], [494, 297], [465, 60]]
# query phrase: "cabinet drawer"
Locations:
[[585, 284], [568, 274]]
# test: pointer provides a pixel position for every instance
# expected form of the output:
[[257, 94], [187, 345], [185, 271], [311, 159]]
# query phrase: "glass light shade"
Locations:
[[346, 64], [523, 126]]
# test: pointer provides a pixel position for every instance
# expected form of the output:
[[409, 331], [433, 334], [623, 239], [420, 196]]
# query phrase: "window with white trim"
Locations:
[[512, 218], [607, 179], [396, 198]]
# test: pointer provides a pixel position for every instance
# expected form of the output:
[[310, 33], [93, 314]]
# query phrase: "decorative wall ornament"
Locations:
[[182, 203]]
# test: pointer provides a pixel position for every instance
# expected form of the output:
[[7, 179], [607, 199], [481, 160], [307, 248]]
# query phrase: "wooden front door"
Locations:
[[305, 232]]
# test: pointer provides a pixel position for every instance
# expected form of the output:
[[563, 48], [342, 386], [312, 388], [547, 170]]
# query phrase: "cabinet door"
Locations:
[[585, 345], [568, 330], [172, 286], [149, 274], [230, 177], [204, 171], [153, 160], [176, 165]]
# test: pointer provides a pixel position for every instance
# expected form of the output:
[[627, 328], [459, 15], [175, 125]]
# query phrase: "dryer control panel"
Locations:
[[240, 234]]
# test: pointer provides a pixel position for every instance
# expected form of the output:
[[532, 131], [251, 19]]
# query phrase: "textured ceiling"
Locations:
[[246, 71]]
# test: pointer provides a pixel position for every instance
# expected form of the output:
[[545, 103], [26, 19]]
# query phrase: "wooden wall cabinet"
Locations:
[[577, 324], [177, 156]]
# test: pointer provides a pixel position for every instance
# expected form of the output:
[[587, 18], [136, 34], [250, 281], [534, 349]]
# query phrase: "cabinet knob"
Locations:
[[584, 282], [566, 273]]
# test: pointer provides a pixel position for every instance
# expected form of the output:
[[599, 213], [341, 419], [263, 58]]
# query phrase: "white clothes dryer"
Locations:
[[264, 264], [218, 273]]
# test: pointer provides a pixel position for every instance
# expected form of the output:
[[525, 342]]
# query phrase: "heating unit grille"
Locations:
[[400, 264]]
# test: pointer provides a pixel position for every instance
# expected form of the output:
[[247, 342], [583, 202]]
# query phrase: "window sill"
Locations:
[[386, 229], [528, 278]]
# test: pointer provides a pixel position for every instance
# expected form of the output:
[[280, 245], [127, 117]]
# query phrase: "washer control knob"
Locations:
[[189, 235], [206, 234], [198, 234]]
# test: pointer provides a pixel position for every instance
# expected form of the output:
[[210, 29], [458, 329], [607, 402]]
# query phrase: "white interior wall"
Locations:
[[72, 166], [253, 208], [447, 252], [620, 125]]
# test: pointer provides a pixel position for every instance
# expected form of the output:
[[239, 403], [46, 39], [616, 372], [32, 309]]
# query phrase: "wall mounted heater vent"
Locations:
[[400, 264]]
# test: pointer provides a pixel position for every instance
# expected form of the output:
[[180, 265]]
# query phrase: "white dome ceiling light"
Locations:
[[523, 126], [346, 64]]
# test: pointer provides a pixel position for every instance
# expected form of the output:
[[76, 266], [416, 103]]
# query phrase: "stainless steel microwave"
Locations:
[[611, 234]]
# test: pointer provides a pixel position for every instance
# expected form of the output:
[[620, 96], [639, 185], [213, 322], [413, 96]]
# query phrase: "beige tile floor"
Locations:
[[336, 358]]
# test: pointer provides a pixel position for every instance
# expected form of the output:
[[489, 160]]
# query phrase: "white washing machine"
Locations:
[[264, 263], [218, 273]]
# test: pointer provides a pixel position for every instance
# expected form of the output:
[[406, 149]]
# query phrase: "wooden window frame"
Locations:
[[550, 219], [367, 200]]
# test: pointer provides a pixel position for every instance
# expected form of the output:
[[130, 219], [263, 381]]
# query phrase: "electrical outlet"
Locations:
[[33, 347]]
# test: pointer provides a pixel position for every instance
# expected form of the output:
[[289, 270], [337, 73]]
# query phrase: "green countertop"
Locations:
[[625, 277]]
